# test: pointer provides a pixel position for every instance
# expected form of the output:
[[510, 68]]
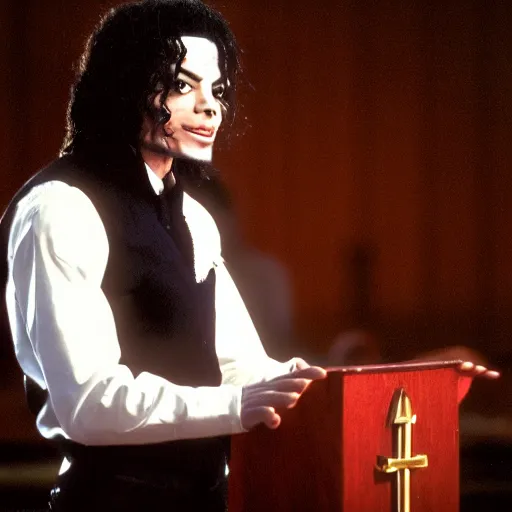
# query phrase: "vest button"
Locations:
[[167, 226]]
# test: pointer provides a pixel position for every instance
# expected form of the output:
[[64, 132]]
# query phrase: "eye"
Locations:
[[182, 87], [219, 91]]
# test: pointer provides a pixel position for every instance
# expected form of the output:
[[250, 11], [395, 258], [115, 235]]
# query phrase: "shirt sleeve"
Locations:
[[242, 358], [58, 251]]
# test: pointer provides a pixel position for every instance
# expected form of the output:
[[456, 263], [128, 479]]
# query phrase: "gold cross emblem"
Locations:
[[402, 419]]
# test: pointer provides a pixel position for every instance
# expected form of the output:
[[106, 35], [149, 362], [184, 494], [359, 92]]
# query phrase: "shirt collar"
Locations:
[[156, 183]]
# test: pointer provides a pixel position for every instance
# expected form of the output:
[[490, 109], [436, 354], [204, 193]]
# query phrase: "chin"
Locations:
[[203, 154]]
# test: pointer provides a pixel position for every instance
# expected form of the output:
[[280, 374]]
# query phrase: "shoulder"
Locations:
[[57, 211], [55, 201]]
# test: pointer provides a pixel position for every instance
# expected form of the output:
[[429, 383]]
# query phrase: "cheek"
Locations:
[[180, 106]]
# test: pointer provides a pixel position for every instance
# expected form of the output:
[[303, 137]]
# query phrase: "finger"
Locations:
[[258, 415], [311, 373], [269, 417], [300, 364], [471, 370], [466, 366], [289, 384], [269, 398], [275, 421]]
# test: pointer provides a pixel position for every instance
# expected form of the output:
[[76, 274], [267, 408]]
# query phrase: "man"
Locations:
[[121, 310]]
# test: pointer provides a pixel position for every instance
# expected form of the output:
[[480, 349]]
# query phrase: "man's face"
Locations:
[[194, 105]]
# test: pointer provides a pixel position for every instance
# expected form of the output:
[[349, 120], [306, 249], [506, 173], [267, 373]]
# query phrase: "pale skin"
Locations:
[[196, 115], [195, 109], [467, 370]]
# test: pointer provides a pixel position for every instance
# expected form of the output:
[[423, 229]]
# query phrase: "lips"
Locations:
[[202, 131]]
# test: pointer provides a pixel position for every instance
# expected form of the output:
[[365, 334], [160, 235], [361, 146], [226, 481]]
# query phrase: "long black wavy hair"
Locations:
[[129, 59]]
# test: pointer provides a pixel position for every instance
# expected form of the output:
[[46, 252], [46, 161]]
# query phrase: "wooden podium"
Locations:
[[366, 439]]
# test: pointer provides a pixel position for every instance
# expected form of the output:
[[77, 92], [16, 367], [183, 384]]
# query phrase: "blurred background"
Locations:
[[369, 184]]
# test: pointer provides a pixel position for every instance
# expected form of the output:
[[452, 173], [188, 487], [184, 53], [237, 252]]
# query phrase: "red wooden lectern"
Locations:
[[325, 455]]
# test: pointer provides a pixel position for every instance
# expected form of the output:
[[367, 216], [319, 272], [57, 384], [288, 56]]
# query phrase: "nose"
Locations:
[[206, 103], [210, 112]]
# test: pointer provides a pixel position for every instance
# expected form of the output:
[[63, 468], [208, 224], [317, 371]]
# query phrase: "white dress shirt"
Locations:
[[65, 336]]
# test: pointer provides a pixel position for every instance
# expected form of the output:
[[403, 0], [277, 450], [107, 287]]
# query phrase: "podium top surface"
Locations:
[[394, 367]]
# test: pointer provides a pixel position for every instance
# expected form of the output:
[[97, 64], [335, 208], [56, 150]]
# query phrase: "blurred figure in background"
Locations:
[[354, 347]]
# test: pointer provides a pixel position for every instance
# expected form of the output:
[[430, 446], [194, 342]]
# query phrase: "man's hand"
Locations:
[[468, 371], [300, 364], [260, 401], [474, 365]]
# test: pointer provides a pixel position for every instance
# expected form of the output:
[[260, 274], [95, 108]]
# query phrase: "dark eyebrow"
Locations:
[[198, 78], [188, 73]]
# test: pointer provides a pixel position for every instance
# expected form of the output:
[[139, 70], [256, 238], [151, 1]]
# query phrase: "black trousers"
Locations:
[[134, 488]]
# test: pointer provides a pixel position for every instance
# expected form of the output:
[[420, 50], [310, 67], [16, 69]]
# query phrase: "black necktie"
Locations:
[[171, 211]]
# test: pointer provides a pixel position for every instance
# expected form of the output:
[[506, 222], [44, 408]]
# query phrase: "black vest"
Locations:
[[165, 320]]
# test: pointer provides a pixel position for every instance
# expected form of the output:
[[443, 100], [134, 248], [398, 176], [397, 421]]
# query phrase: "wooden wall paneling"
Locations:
[[340, 178], [6, 91], [456, 90], [229, 154], [318, 218], [43, 91], [406, 194], [362, 250], [9, 135], [398, 71], [493, 312], [484, 193], [447, 139], [12, 62], [255, 167], [297, 114], [428, 199], [498, 155], [253, 176], [383, 156], [267, 64]]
